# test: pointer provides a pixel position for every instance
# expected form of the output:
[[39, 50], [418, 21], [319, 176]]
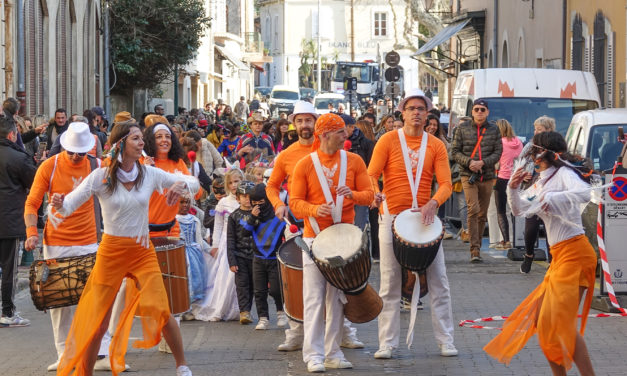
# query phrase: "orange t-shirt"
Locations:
[[284, 168], [159, 212], [306, 194], [80, 227], [387, 158]]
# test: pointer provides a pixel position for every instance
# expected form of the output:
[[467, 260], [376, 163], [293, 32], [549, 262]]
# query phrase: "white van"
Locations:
[[282, 99], [322, 100], [594, 135], [521, 95]]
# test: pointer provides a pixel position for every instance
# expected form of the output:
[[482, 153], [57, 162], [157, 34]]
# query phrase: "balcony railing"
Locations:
[[253, 43]]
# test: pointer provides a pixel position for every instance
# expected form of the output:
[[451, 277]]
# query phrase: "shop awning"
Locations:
[[258, 66], [443, 36], [230, 57]]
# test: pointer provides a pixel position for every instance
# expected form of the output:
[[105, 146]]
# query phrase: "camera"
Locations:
[[473, 178]]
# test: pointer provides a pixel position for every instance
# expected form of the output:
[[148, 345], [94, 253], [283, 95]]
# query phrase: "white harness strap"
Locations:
[[414, 182], [338, 203], [54, 168]]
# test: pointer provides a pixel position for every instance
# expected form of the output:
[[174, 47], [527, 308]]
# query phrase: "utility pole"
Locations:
[[352, 31], [106, 84], [176, 89], [319, 83]]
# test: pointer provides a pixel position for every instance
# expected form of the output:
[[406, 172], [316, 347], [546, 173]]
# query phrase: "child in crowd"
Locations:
[[255, 171], [268, 236], [240, 250], [217, 193], [195, 247], [221, 299], [230, 141]]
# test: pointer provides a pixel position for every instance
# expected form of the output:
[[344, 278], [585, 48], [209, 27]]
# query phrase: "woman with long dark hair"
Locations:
[[558, 197], [123, 189], [280, 137]]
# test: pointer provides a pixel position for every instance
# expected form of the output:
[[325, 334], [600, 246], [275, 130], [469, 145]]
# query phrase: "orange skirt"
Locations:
[[118, 257], [551, 309]]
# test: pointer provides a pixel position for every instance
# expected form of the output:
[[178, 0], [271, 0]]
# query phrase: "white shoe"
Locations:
[[163, 347], [448, 349], [351, 342], [281, 319], [53, 366], [15, 320], [262, 324], [385, 353], [104, 364], [290, 346], [337, 363], [183, 371], [315, 366]]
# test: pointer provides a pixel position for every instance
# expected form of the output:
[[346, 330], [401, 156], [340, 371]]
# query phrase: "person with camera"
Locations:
[[477, 148]]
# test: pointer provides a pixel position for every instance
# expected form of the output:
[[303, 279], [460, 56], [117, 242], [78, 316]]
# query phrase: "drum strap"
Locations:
[[336, 212], [414, 182]]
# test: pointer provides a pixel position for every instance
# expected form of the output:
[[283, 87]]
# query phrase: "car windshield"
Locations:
[[307, 92], [323, 103], [603, 146], [522, 112], [361, 72], [284, 94]]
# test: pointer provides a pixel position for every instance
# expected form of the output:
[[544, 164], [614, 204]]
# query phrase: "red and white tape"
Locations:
[[471, 323], [607, 277]]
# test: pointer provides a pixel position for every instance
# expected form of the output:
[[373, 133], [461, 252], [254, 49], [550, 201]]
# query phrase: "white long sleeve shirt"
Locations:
[[124, 213], [564, 196]]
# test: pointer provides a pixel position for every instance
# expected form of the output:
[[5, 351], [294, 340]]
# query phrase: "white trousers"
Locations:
[[321, 340], [390, 292], [61, 318], [294, 334]]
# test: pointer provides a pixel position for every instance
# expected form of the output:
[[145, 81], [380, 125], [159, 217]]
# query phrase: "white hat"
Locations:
[[77, 138], [302, 107], [415, 93]]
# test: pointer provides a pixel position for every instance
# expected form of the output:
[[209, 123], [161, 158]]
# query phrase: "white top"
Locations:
[[565, 196], [124, 213], [225, 207]]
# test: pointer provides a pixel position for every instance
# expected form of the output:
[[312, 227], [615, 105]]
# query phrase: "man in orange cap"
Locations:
[[322, 206]]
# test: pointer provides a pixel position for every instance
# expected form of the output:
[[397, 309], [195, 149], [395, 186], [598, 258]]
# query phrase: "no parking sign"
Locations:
[[615, 223]]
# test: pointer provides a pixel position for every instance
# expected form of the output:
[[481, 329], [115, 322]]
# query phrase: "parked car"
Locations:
[[321, 102], [306, 92], [282, 99]]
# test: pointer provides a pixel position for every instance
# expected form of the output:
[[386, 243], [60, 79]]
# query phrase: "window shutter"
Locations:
[[587, 58], [577, 45], [610, 70]]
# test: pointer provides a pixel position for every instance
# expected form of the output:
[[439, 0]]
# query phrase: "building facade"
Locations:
[[357, 30]]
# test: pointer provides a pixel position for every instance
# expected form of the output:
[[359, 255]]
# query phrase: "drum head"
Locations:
[[290, 254], [409, 227], [342, 239]]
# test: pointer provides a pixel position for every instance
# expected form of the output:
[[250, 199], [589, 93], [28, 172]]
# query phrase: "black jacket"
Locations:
[[17, 171], [60, 130], [361, 145], [239, 236], [464, 141]]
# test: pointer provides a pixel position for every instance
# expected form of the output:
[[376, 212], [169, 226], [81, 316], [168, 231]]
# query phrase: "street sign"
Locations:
[[393, 90], [350, 83], [618, 191], [392, 74], [392, 58]]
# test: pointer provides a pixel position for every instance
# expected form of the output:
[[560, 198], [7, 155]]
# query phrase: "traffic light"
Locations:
[[350, 83]]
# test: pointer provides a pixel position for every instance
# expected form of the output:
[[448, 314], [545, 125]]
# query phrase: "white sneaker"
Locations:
[[281, 319], [53, 366], [262, 324], [315, 366], [351, 342], [104, 364], [290, 345], [14, 320], [183, 371], [385, 353], [448, 349], [337, 363]]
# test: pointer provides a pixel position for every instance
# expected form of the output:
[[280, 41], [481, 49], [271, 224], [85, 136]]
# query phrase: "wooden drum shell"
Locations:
[[173, 265]]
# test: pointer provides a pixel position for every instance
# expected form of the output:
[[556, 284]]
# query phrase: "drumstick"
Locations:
[[293, 228]]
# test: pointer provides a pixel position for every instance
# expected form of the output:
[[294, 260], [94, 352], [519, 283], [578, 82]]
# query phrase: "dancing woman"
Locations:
[[124, 189], [551, 309]]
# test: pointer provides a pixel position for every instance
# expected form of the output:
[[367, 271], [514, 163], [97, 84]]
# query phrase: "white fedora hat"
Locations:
[[415, 93], [77, 138], [302, 107]]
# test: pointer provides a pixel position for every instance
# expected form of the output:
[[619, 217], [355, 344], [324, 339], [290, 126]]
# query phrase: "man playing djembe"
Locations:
[[322, 206], [400, 156]]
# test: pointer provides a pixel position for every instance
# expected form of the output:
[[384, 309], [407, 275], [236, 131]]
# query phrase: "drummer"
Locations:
[[388, 159], [77, 235], [304, 118], [321, 347]]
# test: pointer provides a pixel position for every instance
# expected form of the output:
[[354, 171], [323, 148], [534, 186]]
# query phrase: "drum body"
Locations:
[[341, 254], [290, 258], [416, 245], [173, 264], [59, 282]]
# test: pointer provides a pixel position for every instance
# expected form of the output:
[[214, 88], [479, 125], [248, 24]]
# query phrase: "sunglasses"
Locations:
[[479, 109], [71, 154]]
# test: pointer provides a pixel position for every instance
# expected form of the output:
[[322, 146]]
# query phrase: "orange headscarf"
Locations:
[[326, 123]]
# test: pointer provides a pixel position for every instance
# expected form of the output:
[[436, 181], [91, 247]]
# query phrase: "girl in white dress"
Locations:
[[220, 297]]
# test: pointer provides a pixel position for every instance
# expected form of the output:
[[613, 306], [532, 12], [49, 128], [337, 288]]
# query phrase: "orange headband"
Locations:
[[326, 123]]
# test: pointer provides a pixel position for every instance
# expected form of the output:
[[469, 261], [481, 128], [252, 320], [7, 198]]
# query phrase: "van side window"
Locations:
[[469, 108]]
